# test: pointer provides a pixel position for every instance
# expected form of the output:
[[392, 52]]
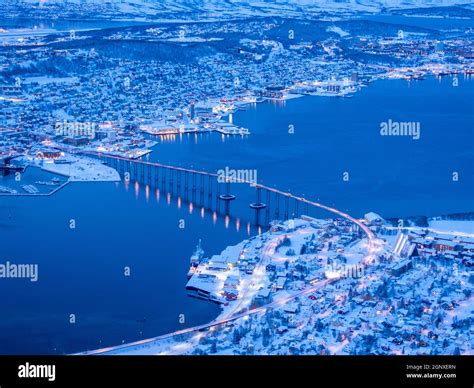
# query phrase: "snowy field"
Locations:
[[80, 169]]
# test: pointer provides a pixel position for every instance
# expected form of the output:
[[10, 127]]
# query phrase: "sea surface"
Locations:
[[118, 226], [331, 148]]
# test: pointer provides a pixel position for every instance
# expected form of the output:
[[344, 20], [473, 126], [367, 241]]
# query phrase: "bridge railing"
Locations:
[[165, 174]]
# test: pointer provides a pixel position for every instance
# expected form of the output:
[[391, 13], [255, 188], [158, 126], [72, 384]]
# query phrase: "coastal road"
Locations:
[[148, 343], [233, 315], [370, 235], [371, 250], [258, 273]]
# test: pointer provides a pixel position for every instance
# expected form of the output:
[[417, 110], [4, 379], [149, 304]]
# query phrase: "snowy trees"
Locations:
[[318, 325], [266, 337], [285, 242], [303, 249], [236, 335]]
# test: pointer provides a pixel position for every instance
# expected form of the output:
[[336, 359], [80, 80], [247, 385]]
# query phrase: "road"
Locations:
[[223, 319], [155, 340]]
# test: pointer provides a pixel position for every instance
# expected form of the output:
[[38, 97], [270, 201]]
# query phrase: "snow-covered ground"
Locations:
[[393, 305], [80, 169], [338, 30], [453, 226], [274, 257]]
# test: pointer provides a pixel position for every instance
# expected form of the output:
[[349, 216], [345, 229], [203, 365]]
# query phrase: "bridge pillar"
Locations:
[[178, 181], [193, 190], [277, 205], [258, 205], [227, 196], [209, 194], [171, 180], [201, 191], [186, 179], [267, 210], [218, 193]]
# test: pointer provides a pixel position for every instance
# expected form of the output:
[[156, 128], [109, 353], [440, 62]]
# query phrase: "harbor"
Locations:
[[143, 213], [31, 183]]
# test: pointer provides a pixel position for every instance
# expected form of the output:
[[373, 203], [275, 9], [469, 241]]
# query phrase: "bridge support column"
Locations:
[[267, 210], [277, 205], [193, 189], [258, 205], [201, 191], [209, 194], [186, 179], [227, 197]]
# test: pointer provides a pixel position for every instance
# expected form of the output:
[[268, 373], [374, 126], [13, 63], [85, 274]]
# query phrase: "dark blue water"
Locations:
[[81, 270], [31, 176]]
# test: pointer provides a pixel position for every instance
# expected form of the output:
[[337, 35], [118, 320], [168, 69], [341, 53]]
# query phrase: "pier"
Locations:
[[21, 194]]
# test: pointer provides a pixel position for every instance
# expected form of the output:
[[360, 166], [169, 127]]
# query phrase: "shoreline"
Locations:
[[164, 344]]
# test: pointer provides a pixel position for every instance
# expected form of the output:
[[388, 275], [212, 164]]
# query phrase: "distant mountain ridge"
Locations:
[[216, 8]]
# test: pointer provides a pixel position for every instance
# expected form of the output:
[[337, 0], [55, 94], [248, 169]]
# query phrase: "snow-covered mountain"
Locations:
[[218, 8]]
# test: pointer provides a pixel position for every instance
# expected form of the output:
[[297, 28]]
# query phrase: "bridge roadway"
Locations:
[[135, 345], [370, 235]]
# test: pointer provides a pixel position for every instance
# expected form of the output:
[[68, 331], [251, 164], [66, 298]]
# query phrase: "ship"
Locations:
[[195, 260], [48, 183], [8, 190], [30, 189]]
